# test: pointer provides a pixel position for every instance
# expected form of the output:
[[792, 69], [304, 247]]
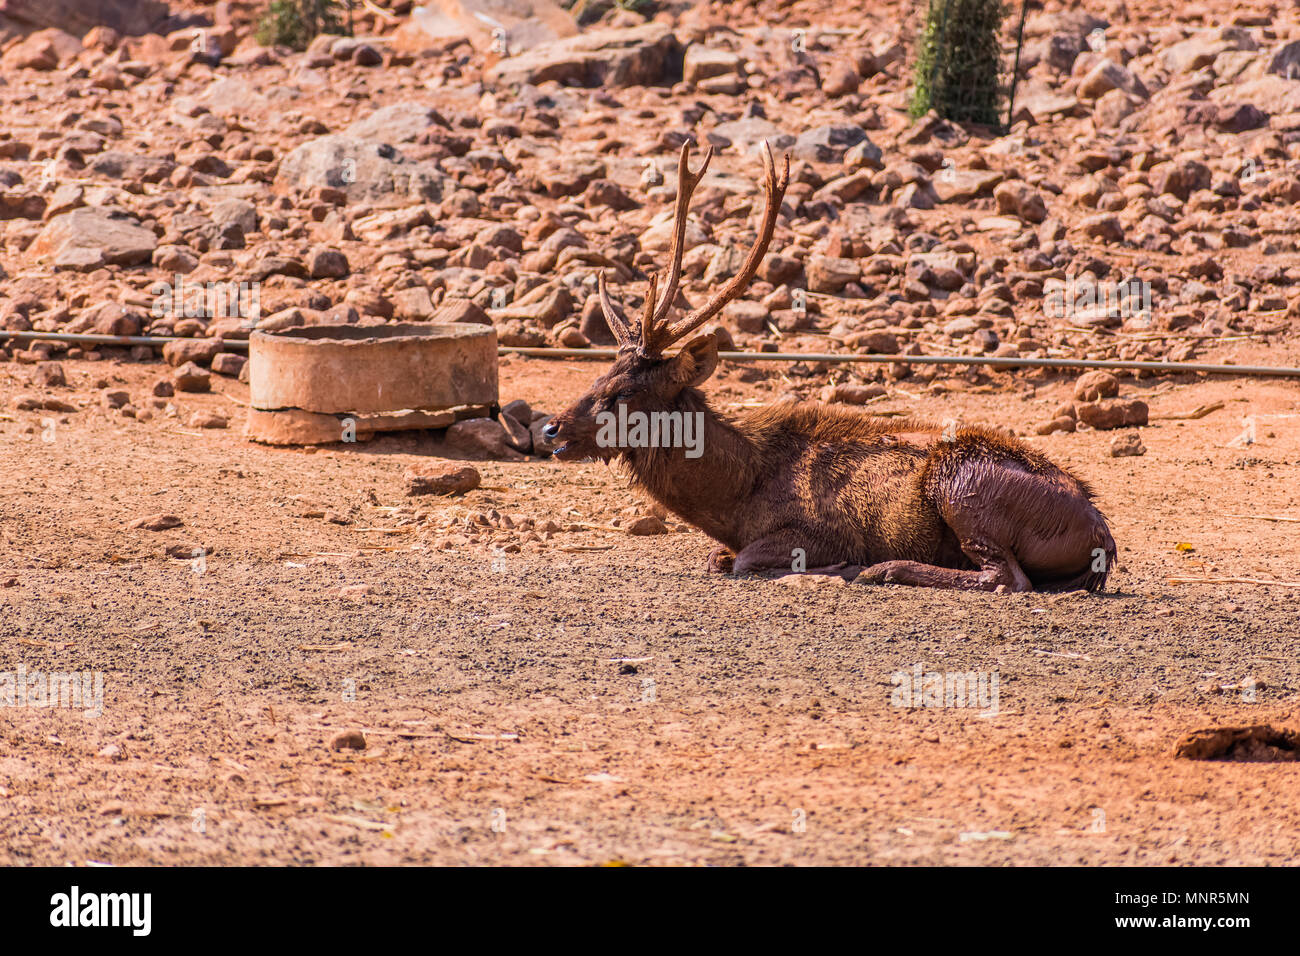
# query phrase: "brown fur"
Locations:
[[852, 491]]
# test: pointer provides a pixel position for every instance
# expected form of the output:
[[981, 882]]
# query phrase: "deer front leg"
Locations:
[[721, 560], [785, 551]]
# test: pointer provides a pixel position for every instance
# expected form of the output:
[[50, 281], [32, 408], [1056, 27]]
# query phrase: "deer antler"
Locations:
[[656, 333], [774, 190]]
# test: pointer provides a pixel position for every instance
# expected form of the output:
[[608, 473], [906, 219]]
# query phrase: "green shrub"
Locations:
[[295, 23], [959, 62]]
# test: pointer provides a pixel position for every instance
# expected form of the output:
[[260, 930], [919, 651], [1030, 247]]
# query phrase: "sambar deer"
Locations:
[[834, 490]]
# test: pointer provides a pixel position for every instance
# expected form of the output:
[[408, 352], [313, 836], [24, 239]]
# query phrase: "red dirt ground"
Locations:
[[598, 697]]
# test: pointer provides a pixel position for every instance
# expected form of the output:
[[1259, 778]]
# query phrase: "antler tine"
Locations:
[[686, 183], [775, 192], [648, 315], [621, 328]]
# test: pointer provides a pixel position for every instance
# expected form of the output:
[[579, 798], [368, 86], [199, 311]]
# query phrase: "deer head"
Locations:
[[642, 378]]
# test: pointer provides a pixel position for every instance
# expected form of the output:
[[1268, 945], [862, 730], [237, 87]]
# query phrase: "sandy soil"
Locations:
[[598, 697]]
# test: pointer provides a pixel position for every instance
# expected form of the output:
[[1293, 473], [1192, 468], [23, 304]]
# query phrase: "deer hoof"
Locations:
[[721, 561], [882, 573]]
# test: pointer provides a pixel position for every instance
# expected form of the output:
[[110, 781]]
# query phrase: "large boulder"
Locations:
[[365, 171], [398, 123], [639, 56], [91, 237]]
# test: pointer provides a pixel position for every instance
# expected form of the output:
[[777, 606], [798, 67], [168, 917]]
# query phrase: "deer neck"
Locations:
[[710, 491]]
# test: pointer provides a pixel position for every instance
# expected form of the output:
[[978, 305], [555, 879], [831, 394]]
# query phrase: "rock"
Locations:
[[1127, 445], [851, 394], [701, 63], [827, 144], [963, 185], [238, 212], [20, 204], [156, 522], [873, 342], [348, 740], [1095, 385], [114, 398], [483, 437], [205, 419], [399, 123], [646, 55], [190, 378], [1020, 199], [227, 363], [828, 274], [1062, 423], [1113, 413], [1108, 75], [1104, 226], [461, 310], [175, 260], [1180, 179], [364, 171], [49, 375], [179, 352], [422, 479], [519, 410], [413, 304], [646, 524], [746, 315], [841, 79], [109, 318], [89, 238], [748, 135]]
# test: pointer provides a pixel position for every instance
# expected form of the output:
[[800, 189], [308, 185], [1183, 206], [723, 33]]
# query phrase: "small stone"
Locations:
[[348, 740], [228, 363], [1095, 385], [440, 480], [209, 420], [181, 351], [114, 398], [1127, 445], [851, 394], [190, 378], [49, 375], [1020, 199], [1113, 413], [158, 522], [647, 524]]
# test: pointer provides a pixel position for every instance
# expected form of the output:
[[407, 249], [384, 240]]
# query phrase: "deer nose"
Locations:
[[551, 430]]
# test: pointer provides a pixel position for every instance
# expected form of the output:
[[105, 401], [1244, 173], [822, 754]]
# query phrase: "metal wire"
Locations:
[[557, 353]]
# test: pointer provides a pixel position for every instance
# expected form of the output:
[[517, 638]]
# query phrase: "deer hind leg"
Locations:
[[997, 569]]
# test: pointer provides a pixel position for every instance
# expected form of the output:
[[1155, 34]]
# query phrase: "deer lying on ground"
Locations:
[[836, 491]]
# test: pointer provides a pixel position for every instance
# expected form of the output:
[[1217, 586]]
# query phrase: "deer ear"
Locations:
[[697, 360]]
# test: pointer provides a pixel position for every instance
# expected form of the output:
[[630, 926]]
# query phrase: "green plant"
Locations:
[[959, 61], [295, 23]]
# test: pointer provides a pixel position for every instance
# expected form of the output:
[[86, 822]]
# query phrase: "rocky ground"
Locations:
[[539, 666]]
